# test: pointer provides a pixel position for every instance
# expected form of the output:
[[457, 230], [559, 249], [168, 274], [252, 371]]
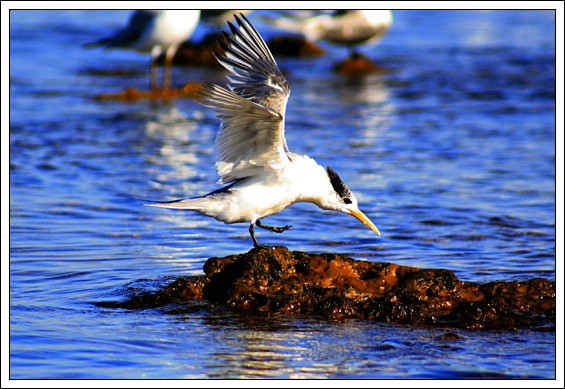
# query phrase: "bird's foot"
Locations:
[[262, 246], [279, 229], [272, 228]]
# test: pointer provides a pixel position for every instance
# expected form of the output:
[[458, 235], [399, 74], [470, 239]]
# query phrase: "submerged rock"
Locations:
[[338, 287]]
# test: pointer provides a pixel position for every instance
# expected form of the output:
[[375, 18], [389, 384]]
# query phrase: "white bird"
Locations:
[[263, 176], [155, 31], [345, 27]]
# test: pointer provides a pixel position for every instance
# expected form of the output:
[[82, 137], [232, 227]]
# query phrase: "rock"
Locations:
[[294, 46], [188, 90], [358, 65], [338, 287], [199, 54]]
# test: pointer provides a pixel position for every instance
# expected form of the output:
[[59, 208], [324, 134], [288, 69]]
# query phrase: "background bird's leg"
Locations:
[[353, 53], [154, 56], [170, 54], [271, 228]]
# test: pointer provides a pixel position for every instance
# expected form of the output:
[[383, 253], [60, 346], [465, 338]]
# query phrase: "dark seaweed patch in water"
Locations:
[[463, 237], [504, 221], [436, 222], [485, 95]]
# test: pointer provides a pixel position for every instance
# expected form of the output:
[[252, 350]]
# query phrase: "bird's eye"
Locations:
[[347, 200]]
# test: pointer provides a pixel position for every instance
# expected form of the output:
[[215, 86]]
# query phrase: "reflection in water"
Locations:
[[362, 106], [180, 143], [252, 346], [364, 112], [369, 108], [483, 29], [255, 346], [181, 148]]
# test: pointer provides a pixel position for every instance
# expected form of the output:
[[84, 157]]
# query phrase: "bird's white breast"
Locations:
[[168, 28], [266, 194]]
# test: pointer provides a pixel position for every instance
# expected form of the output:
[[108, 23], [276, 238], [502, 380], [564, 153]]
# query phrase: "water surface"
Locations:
[[451, 152]]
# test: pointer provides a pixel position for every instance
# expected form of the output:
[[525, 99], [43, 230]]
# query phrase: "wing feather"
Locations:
[[249, 140], [251, 136], [255, 73]]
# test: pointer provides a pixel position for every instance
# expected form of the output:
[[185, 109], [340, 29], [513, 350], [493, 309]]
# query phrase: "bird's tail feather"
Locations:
[[195, 203], [100, 42]]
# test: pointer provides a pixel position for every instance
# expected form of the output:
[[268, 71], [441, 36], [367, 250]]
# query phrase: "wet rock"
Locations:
[[200, 54], [187, 290], [358, 65], [338, 287], [450, 337], [294, 46], [188, 90]]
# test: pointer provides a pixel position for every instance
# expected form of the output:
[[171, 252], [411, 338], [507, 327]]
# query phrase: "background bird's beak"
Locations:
[[361, 216]]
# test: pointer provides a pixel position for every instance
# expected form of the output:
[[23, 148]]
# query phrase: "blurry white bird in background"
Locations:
[[154, 31], [345, 27], [263, 176]]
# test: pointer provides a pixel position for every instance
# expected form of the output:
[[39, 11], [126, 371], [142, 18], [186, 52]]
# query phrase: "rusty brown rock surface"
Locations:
[[358, 65], [188, 90], [338, 287]]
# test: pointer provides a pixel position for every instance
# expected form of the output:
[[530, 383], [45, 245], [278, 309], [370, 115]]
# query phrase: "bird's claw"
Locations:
[[280, 229], [263, 247]]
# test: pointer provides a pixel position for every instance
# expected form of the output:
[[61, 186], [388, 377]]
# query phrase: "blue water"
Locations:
[[451, 152]]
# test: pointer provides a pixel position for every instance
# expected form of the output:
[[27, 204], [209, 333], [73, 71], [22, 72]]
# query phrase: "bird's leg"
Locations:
[[255, 243], [170, 54], [273, 229], [153, 75], [353, 53], [154, 56]]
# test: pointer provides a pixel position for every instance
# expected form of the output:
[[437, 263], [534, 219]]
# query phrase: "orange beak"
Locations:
[[364, 219]]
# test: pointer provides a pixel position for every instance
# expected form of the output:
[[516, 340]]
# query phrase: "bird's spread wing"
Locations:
[[251, 137], [255, 74]]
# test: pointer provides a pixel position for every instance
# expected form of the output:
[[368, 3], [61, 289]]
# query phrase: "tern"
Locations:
[[154, 31], [345, 27], [261, 174]]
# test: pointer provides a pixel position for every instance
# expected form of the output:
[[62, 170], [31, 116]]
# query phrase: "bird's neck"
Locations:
[[310, 181]]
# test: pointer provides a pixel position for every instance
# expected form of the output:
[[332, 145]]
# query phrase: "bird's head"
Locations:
[[343, 200]]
